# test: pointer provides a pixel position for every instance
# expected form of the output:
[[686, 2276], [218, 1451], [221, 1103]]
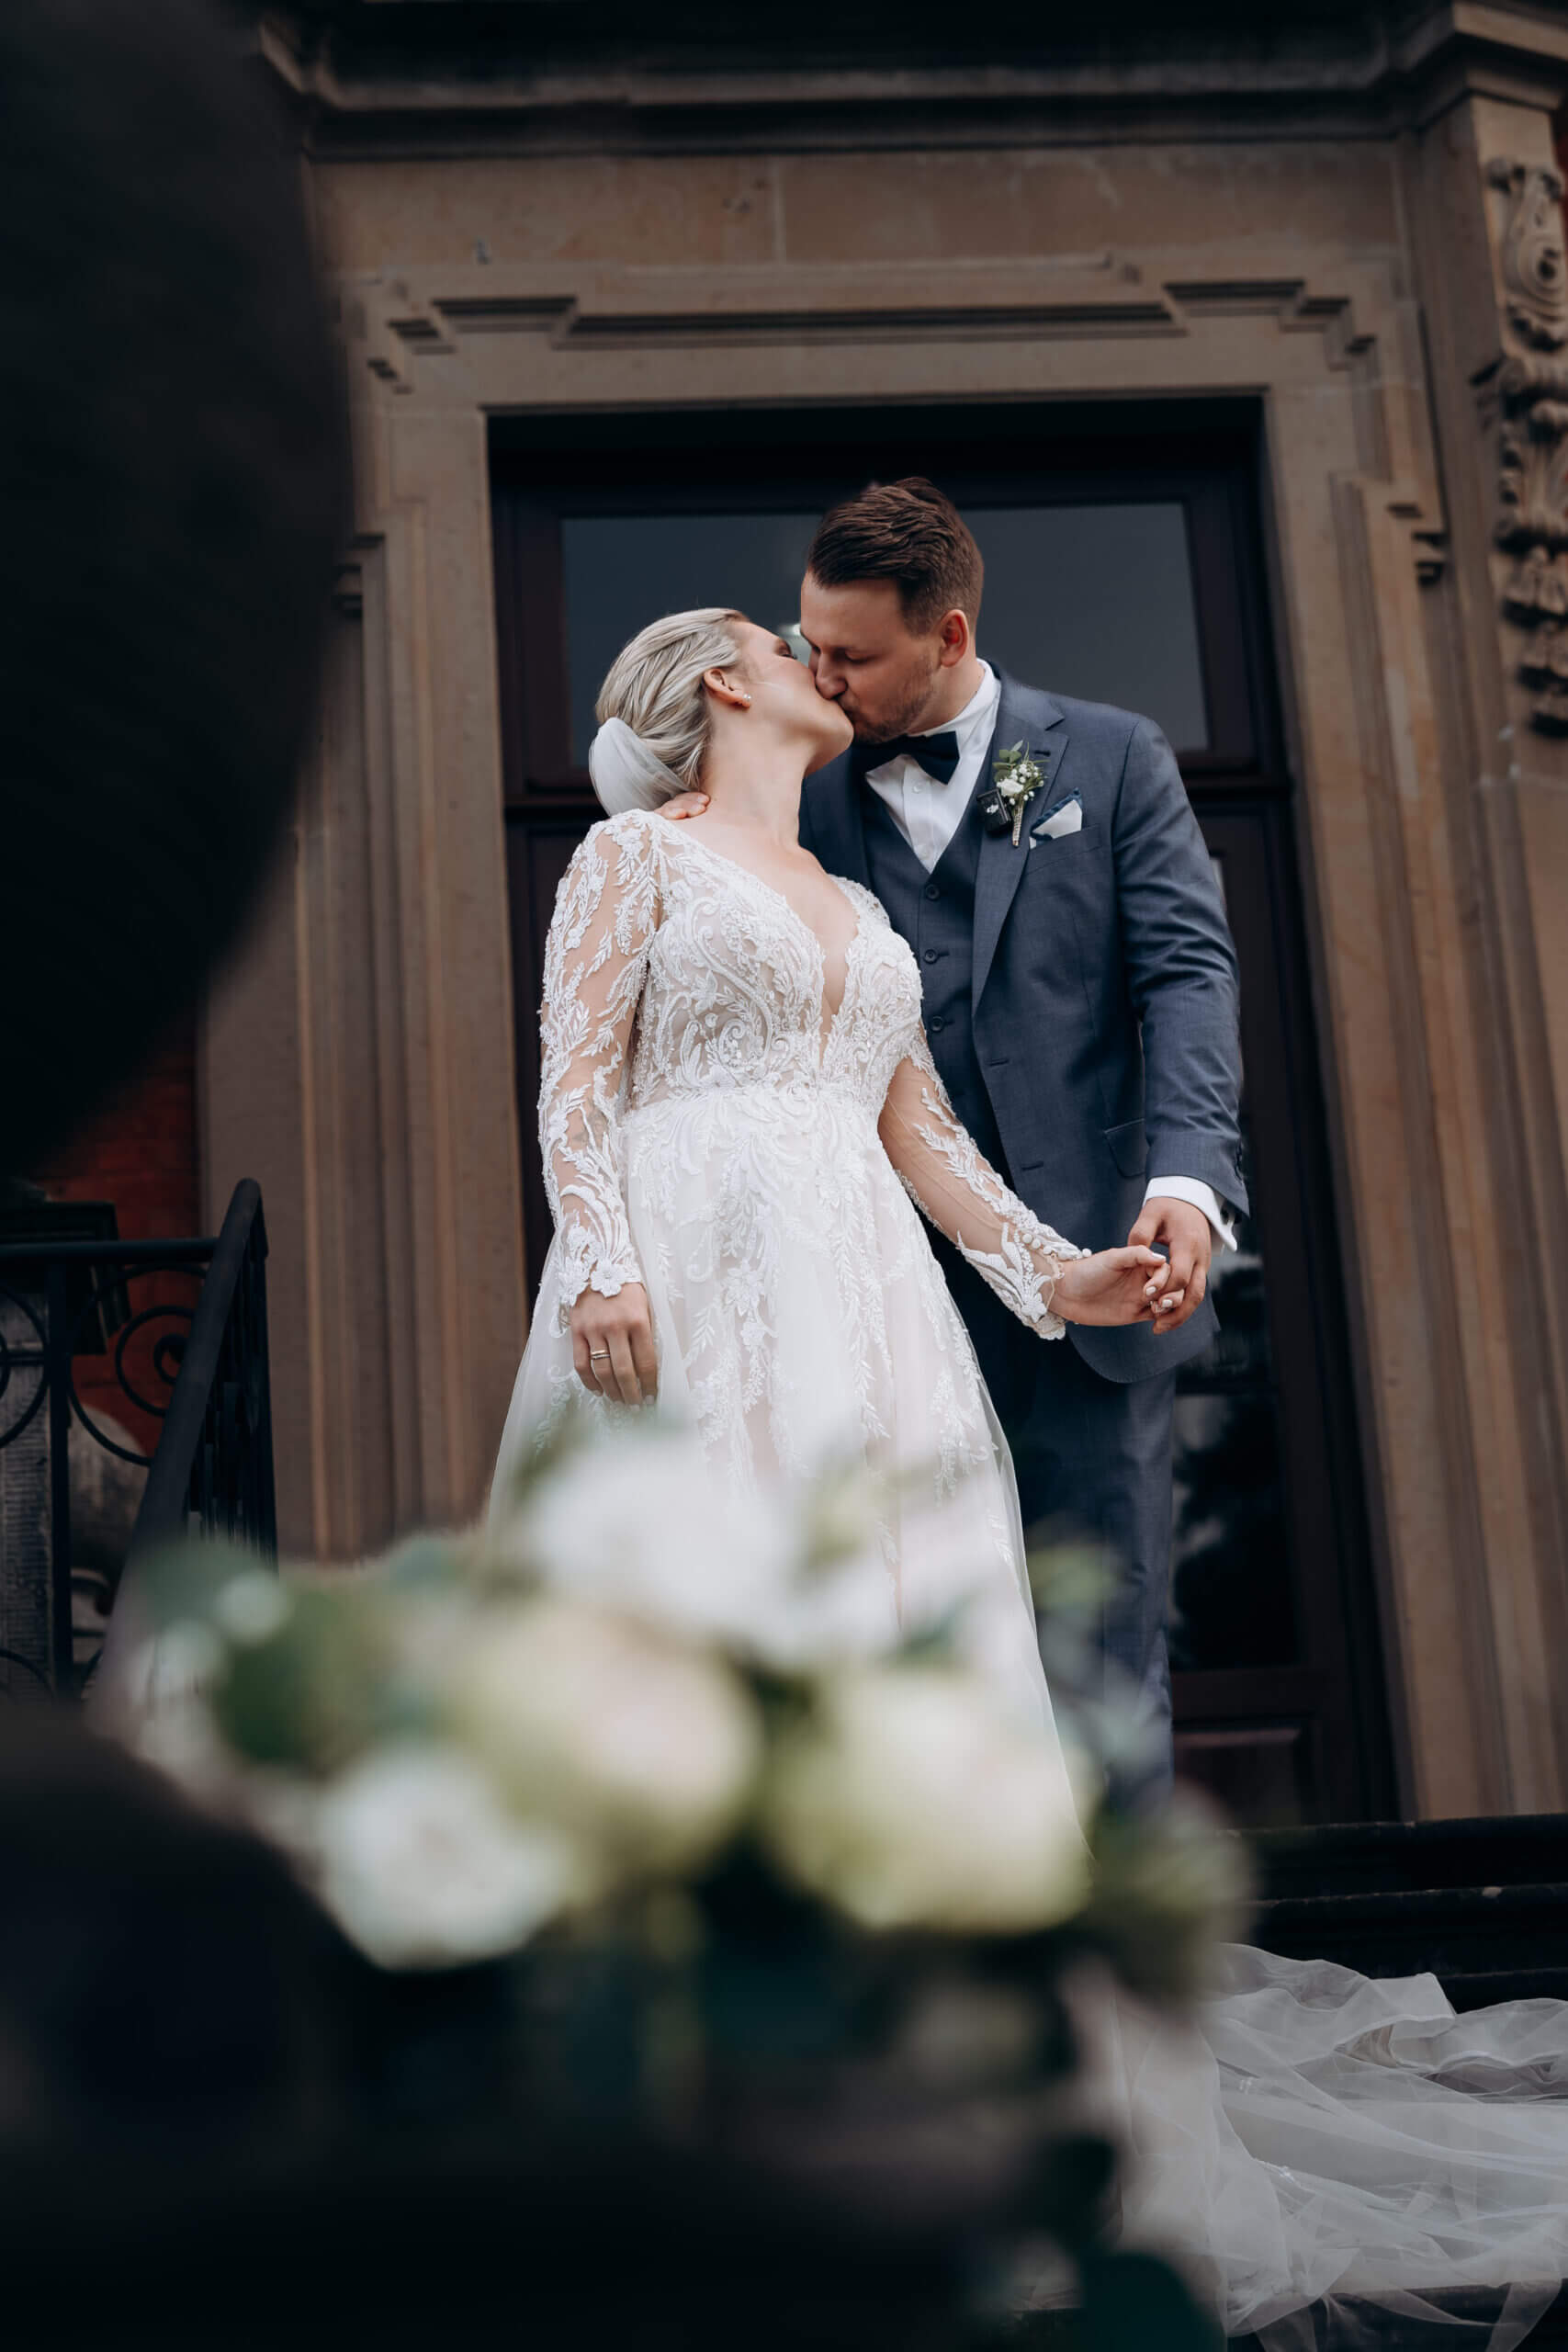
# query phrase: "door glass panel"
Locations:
[[624, 570], [1230, 1587], [1094, 599]]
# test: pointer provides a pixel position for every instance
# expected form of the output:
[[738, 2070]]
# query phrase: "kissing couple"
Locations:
[[930, 944]]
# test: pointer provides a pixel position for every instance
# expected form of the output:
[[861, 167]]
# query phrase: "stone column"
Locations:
[[1483, 205], [358, 1060]]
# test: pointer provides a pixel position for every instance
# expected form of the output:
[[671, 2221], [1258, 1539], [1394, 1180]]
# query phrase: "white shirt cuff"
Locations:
[[1200, 1196]]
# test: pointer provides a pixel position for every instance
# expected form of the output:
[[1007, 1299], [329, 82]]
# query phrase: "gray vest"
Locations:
[[935, 913]]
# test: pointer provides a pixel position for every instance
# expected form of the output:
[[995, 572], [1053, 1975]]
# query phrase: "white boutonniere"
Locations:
[[1016, 778]]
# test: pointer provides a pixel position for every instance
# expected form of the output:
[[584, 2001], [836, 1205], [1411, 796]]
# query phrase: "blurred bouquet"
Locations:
[[636, 1680], [760, 1870]]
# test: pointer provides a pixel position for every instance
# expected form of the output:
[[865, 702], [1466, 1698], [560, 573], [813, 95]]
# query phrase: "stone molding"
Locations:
[[402, 323], [609, 77]]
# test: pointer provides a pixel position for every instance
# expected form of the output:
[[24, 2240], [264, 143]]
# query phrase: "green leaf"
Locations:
[[309, 1696]]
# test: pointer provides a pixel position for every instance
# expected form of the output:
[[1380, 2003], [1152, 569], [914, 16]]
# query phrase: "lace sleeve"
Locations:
[[941, 1168], [595, 963]]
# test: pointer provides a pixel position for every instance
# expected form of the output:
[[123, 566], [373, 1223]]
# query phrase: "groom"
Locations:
[[1080, 999]]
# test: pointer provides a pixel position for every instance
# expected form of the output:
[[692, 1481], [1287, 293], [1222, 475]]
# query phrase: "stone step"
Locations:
[[1453, 1931], [1481, 1905], [1386, 1856]]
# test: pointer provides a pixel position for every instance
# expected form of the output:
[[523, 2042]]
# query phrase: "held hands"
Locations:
[[1128, 1285], [1188, 1238], [612, 1345], [1134, 1284]]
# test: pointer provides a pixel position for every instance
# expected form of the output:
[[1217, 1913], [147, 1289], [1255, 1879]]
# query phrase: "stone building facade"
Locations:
[[1344, 232]]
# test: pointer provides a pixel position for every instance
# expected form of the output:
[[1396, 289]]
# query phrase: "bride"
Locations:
[[739, 1119]]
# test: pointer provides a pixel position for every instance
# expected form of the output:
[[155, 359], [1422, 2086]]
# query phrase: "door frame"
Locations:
[[1209, 458]]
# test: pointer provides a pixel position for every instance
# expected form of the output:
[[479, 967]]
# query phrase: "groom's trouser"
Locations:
[[1093, 1459]]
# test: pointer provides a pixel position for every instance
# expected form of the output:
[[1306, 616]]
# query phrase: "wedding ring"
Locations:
[[597, 1355]]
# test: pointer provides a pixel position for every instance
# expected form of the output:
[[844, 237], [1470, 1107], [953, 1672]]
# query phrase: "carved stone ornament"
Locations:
[[1534, 281], [1532, 387]]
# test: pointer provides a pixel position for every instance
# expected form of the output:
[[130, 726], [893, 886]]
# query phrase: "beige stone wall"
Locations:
[[362, 1058], [824, 210]]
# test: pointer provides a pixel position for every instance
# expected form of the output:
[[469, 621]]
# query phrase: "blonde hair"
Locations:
[[655, 686]]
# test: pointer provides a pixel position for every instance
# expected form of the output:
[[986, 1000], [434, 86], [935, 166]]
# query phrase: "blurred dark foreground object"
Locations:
[[166, 1987], [220, 2129], [173, 475]]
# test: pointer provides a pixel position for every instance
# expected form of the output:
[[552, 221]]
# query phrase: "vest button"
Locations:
[[931, 890], [934, 1024], [930, 955]]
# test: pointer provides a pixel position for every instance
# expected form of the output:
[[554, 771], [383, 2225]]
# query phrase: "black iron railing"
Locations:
[[196, 1368], [212, 1472]]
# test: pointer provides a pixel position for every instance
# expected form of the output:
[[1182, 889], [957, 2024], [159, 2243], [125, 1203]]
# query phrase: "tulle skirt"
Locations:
[[1330, 2157]]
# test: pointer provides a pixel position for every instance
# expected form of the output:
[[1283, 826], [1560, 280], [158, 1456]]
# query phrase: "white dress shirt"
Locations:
[[929, 812]]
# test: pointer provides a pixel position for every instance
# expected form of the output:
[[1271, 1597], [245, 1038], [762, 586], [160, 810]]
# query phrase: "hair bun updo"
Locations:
[[653, 712]]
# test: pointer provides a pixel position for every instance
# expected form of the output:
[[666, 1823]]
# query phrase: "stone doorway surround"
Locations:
[[359, 1058]]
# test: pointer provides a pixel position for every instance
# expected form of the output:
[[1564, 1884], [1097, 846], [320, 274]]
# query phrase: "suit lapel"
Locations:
[[832, 803], [1023, 714]]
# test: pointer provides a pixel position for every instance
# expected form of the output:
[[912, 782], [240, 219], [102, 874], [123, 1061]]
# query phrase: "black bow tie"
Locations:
[[937, 755]]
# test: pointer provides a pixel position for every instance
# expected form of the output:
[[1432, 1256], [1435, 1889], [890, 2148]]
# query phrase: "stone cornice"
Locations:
[[423, 77]]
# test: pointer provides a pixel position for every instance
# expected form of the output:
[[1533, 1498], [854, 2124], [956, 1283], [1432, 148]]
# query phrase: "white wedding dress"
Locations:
[[1328, 2152]]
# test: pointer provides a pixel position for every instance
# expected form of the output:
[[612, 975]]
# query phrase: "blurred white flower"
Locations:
[[423, 1867], [645, 1752], [910, 1801], [162, 1692], [845, 1506], [251, 1607], [172, 1665], [644, 1524]]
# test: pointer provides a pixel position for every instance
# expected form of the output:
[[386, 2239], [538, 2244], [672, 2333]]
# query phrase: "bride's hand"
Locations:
[[1123, 1286], [612, 1345], [684, 804]]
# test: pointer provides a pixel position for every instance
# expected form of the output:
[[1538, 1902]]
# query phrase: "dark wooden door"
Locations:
[[1123, 564]]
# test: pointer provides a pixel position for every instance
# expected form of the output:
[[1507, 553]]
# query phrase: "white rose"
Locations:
[[642, 1523], [422, 1866], [646, 1752], [910, 1801]]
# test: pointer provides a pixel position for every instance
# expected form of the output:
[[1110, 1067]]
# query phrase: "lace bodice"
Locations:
[[672, 971]]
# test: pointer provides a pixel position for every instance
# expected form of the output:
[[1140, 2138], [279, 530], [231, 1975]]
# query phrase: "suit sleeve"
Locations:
[[1181, 972]]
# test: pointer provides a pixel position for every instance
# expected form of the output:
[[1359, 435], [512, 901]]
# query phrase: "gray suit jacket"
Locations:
[[1104, 1000]]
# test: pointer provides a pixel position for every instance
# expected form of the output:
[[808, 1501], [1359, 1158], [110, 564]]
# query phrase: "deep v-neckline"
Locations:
[[828, 1016]]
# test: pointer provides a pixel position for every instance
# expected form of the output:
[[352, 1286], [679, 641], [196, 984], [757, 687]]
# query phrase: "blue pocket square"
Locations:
[[1067, 817]]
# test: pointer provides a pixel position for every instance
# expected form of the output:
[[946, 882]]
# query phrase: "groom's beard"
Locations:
[[905, 716]]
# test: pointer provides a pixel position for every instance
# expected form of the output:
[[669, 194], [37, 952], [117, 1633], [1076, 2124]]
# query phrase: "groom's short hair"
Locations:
[[909, 532]]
